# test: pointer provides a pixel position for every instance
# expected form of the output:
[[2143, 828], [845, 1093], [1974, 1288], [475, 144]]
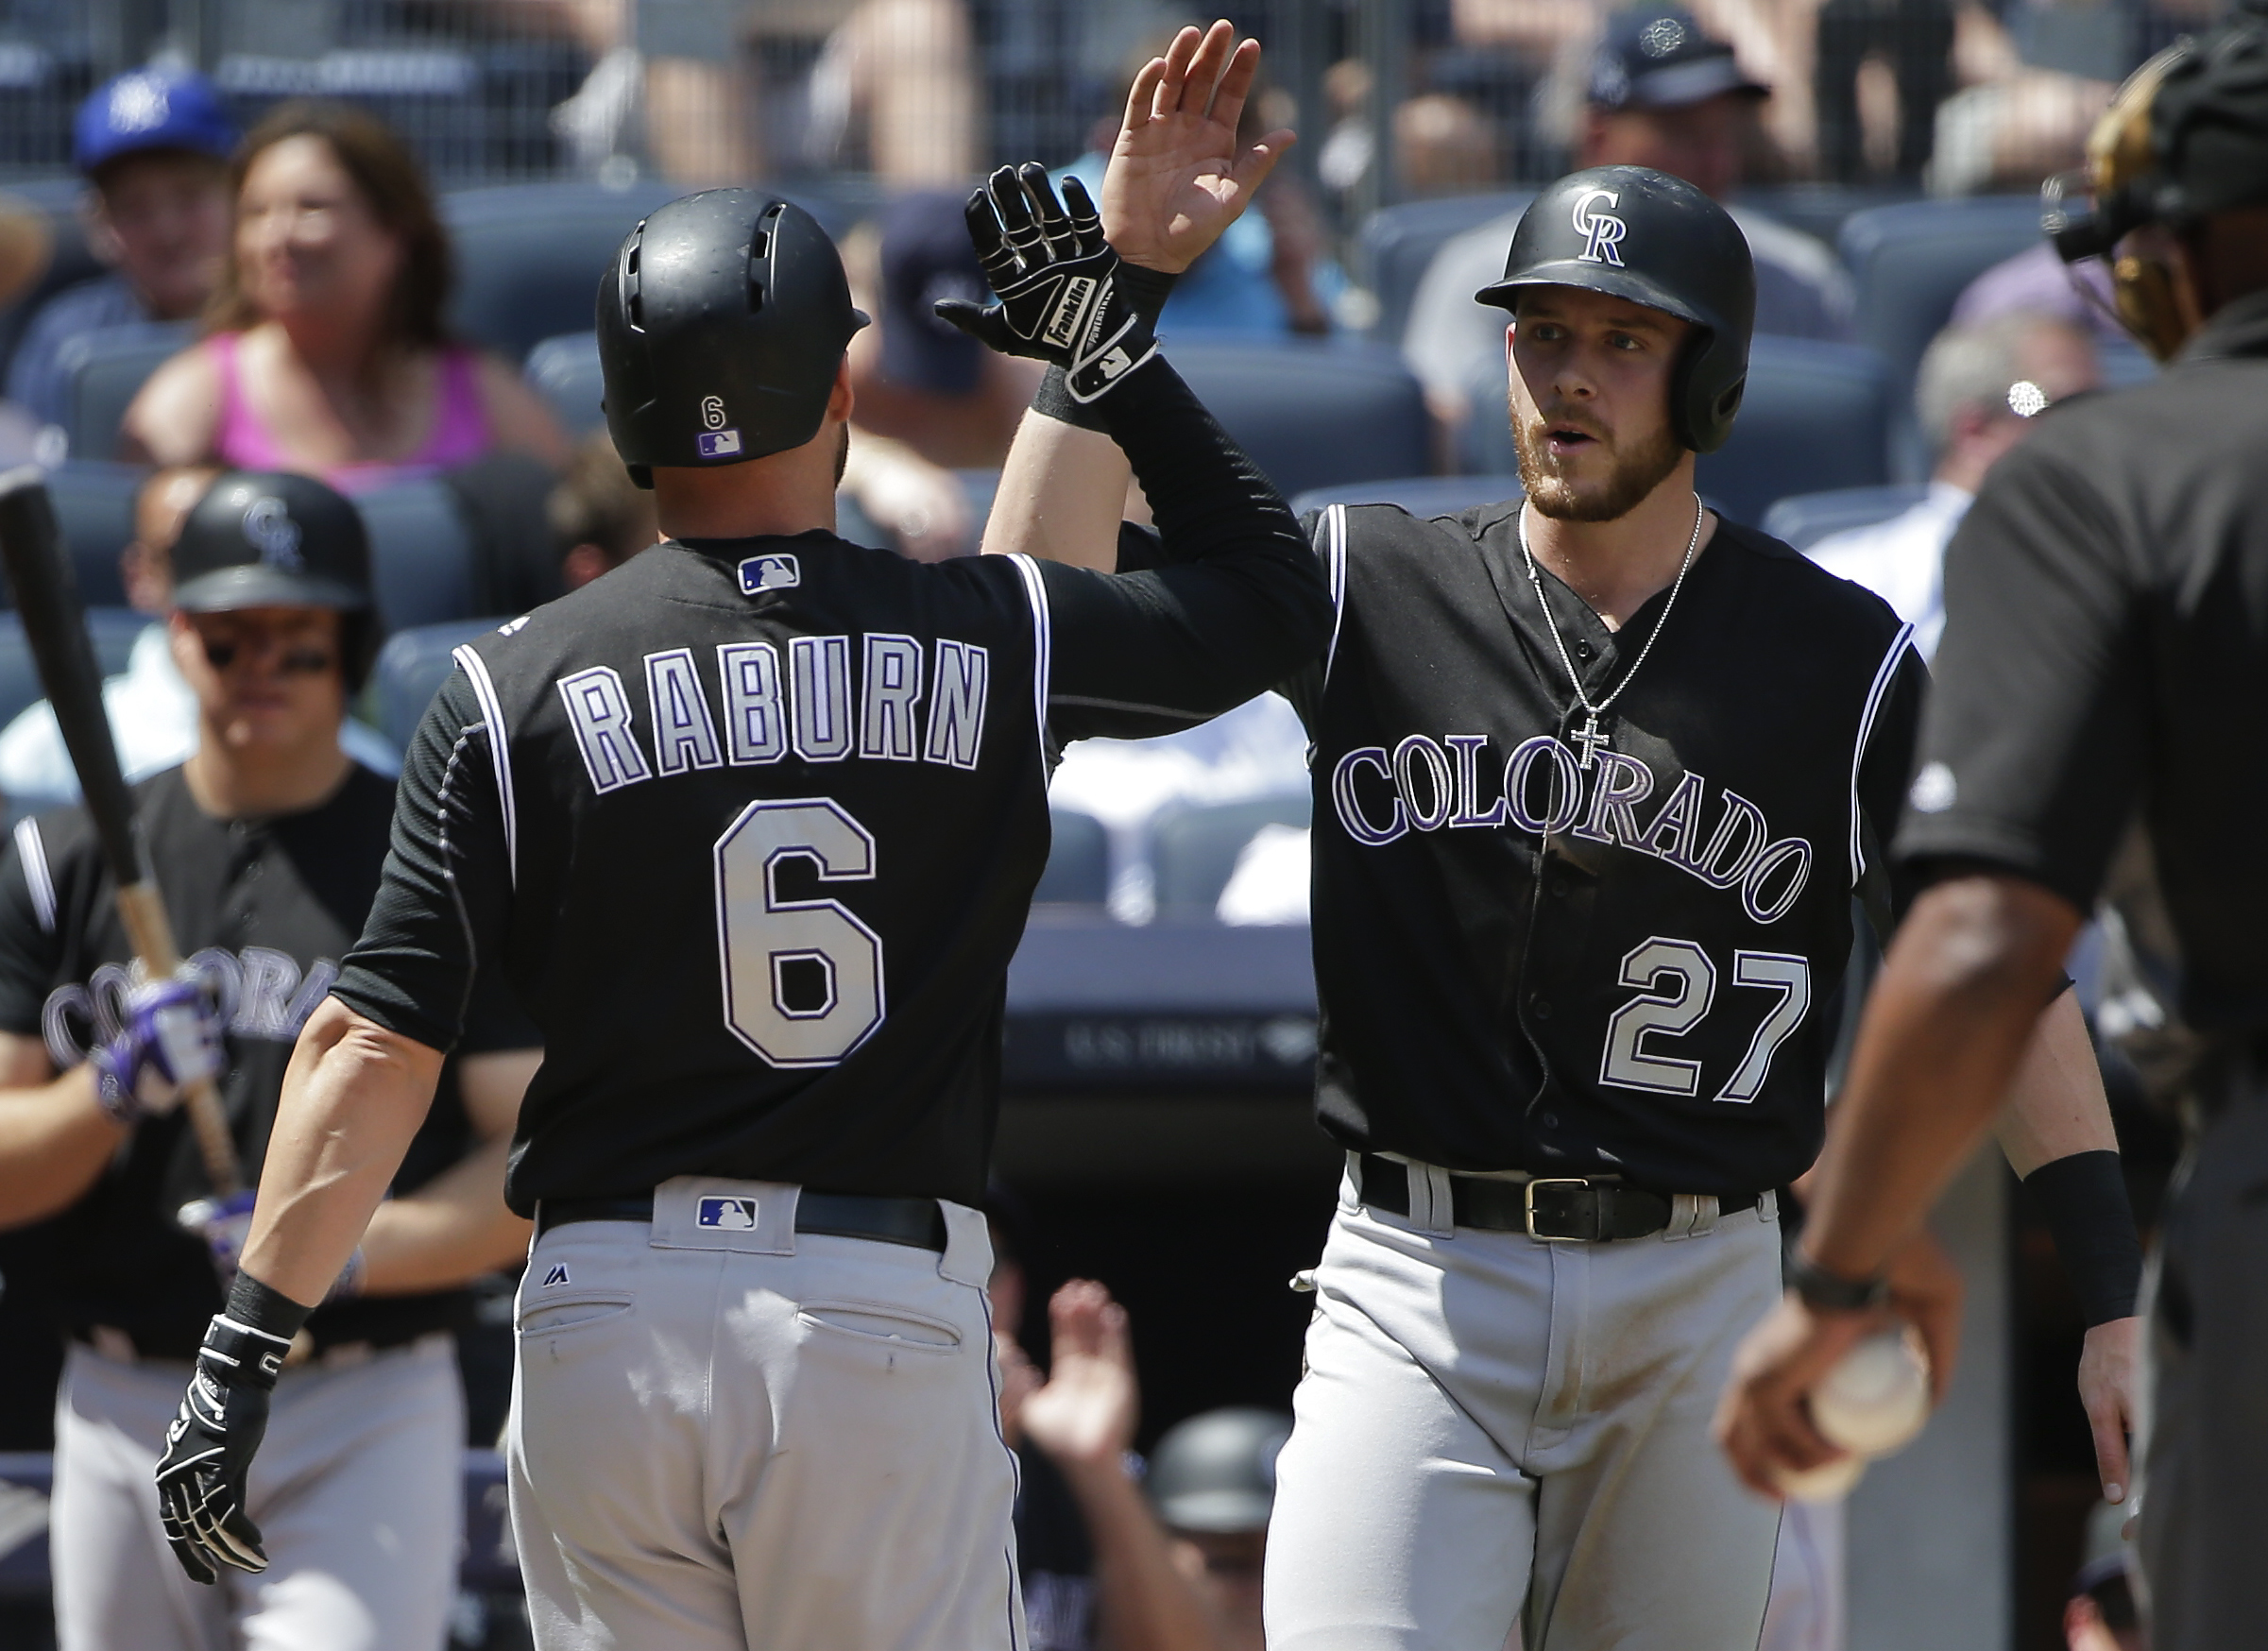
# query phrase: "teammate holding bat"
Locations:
[[266, 848]]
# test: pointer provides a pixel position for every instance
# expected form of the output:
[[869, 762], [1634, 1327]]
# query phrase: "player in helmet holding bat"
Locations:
[[267, 846]]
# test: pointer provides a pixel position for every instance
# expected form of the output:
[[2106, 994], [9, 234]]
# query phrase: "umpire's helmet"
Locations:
[[270, 538], [1657, 241], [720, 326]]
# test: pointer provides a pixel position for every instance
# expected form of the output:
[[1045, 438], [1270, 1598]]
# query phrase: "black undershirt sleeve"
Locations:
[[1886, 769], [1231, 603], [30, 954], [2036, 740], [439, 914]]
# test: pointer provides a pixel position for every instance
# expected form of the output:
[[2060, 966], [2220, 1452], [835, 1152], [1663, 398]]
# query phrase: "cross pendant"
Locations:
[[1590, 739]]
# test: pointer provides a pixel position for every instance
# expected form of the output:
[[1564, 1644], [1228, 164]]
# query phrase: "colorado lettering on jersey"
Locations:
[[261, 993], [1426, 785], [908, 706]]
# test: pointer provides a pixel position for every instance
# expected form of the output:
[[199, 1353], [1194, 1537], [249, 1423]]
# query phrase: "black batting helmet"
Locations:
[[1657, 241], [271, 538], [720, 326]]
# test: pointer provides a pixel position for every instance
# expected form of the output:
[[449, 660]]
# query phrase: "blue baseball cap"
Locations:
[[152, 109], [1657, 57]]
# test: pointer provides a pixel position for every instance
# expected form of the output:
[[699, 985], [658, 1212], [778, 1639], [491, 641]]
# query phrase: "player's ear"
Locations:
[[842, 401]]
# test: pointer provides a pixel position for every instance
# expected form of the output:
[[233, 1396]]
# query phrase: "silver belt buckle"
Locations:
[[1529, 1206]]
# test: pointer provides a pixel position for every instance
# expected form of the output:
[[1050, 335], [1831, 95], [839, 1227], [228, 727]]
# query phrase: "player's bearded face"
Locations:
[[1590, 404]]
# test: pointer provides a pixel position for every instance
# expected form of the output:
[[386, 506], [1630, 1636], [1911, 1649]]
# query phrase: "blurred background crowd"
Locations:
[[359, 239]]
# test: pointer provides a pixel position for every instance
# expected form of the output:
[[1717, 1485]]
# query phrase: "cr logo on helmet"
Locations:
[[1603, 231]]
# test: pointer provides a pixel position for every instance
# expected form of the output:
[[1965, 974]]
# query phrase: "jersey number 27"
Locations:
[[803, 979], [1680, 984]]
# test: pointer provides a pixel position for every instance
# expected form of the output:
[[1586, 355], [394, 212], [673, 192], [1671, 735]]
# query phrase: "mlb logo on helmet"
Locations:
[[1602, 231], [717, 441], [269, 529], [730, 1215], [769, 573]]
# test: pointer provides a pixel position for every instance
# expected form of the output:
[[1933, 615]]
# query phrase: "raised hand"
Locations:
[[1176, 180], [1085, 1416]]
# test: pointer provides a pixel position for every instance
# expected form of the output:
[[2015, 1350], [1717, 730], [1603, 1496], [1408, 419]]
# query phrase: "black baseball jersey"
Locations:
[[1525, 963], [2106, 650], [266, 909], [753, 826]]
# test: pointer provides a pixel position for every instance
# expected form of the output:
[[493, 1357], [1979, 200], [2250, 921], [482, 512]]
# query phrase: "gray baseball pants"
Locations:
[[357, 1491], [749, 1439], [1496, 1432]]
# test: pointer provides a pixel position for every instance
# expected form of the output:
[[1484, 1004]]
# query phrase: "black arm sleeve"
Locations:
[[441, 905], [1236, 604], [30, 950], [1886, 769], [2036, 740]]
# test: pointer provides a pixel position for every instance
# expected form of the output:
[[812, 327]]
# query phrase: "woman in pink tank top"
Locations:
[[327, 352]]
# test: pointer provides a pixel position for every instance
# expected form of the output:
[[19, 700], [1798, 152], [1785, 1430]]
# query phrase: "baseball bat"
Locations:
[[55, 624]]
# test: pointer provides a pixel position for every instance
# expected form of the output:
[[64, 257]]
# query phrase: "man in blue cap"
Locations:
[[153, 146]]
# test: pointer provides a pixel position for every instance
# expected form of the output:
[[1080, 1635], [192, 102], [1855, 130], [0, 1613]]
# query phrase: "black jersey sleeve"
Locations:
[[31, 945], [1227, 604], [1884, 769], [2035, 739], [444, 895]]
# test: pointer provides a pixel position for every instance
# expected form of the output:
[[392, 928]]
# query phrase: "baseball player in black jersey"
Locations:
[[268, 846], [750, 825], [2105, 662], [1596, 781]]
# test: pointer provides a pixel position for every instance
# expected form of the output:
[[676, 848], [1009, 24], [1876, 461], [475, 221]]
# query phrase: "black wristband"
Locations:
[[2083, 1199], [255, 1306], [1830, 1292], [1146, 290]]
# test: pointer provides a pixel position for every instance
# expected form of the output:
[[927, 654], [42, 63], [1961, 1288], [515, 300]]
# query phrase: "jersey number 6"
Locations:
[[803, 979], [1682, 984]]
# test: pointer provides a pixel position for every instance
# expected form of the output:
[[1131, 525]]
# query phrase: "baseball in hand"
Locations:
[[1873, 1403]]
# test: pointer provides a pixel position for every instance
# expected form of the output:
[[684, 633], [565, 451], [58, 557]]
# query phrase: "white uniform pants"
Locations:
[[740, 1438], [1496, 1432], [357, 1491]]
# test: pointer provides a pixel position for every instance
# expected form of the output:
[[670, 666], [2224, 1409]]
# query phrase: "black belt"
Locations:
[[915, 1222], [1552, 1208]]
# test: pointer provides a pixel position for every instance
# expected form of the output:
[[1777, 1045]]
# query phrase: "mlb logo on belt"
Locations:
[[730, 1215], [769, 573], [718, 444]]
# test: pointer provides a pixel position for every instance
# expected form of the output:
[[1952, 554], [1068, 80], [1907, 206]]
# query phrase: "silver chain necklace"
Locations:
[[1588, 736]]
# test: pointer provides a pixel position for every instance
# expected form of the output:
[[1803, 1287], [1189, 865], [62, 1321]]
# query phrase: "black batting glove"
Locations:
[[1060, 291], [210, 1446]]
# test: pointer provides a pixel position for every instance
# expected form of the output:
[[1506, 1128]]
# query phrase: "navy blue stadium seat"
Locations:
[[421, 553], [529, 256], [565, 372], [1193, 849], [1911, 263], [112, 631], [94, 507], [1816, 415], [108, 369], [1313, 415], [1078, 871], [1419, 495], [1802, 520], [1399, 242], [411, 667]]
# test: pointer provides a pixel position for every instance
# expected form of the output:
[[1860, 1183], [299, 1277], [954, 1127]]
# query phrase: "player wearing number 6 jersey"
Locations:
[[1594, 781], [752, 824]]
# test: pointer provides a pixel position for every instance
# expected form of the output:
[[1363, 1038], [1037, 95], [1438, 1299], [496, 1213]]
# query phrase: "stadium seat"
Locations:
[[112, 630], [1398, 242], [411, 667], [94, 507], [565, 372], [1911, 263], [1419, 495], [1193, 850], [1815, 414], [106, 370], [421, 553], [1802, 520], [1313, 415], [1078, 870], [529, 256]]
